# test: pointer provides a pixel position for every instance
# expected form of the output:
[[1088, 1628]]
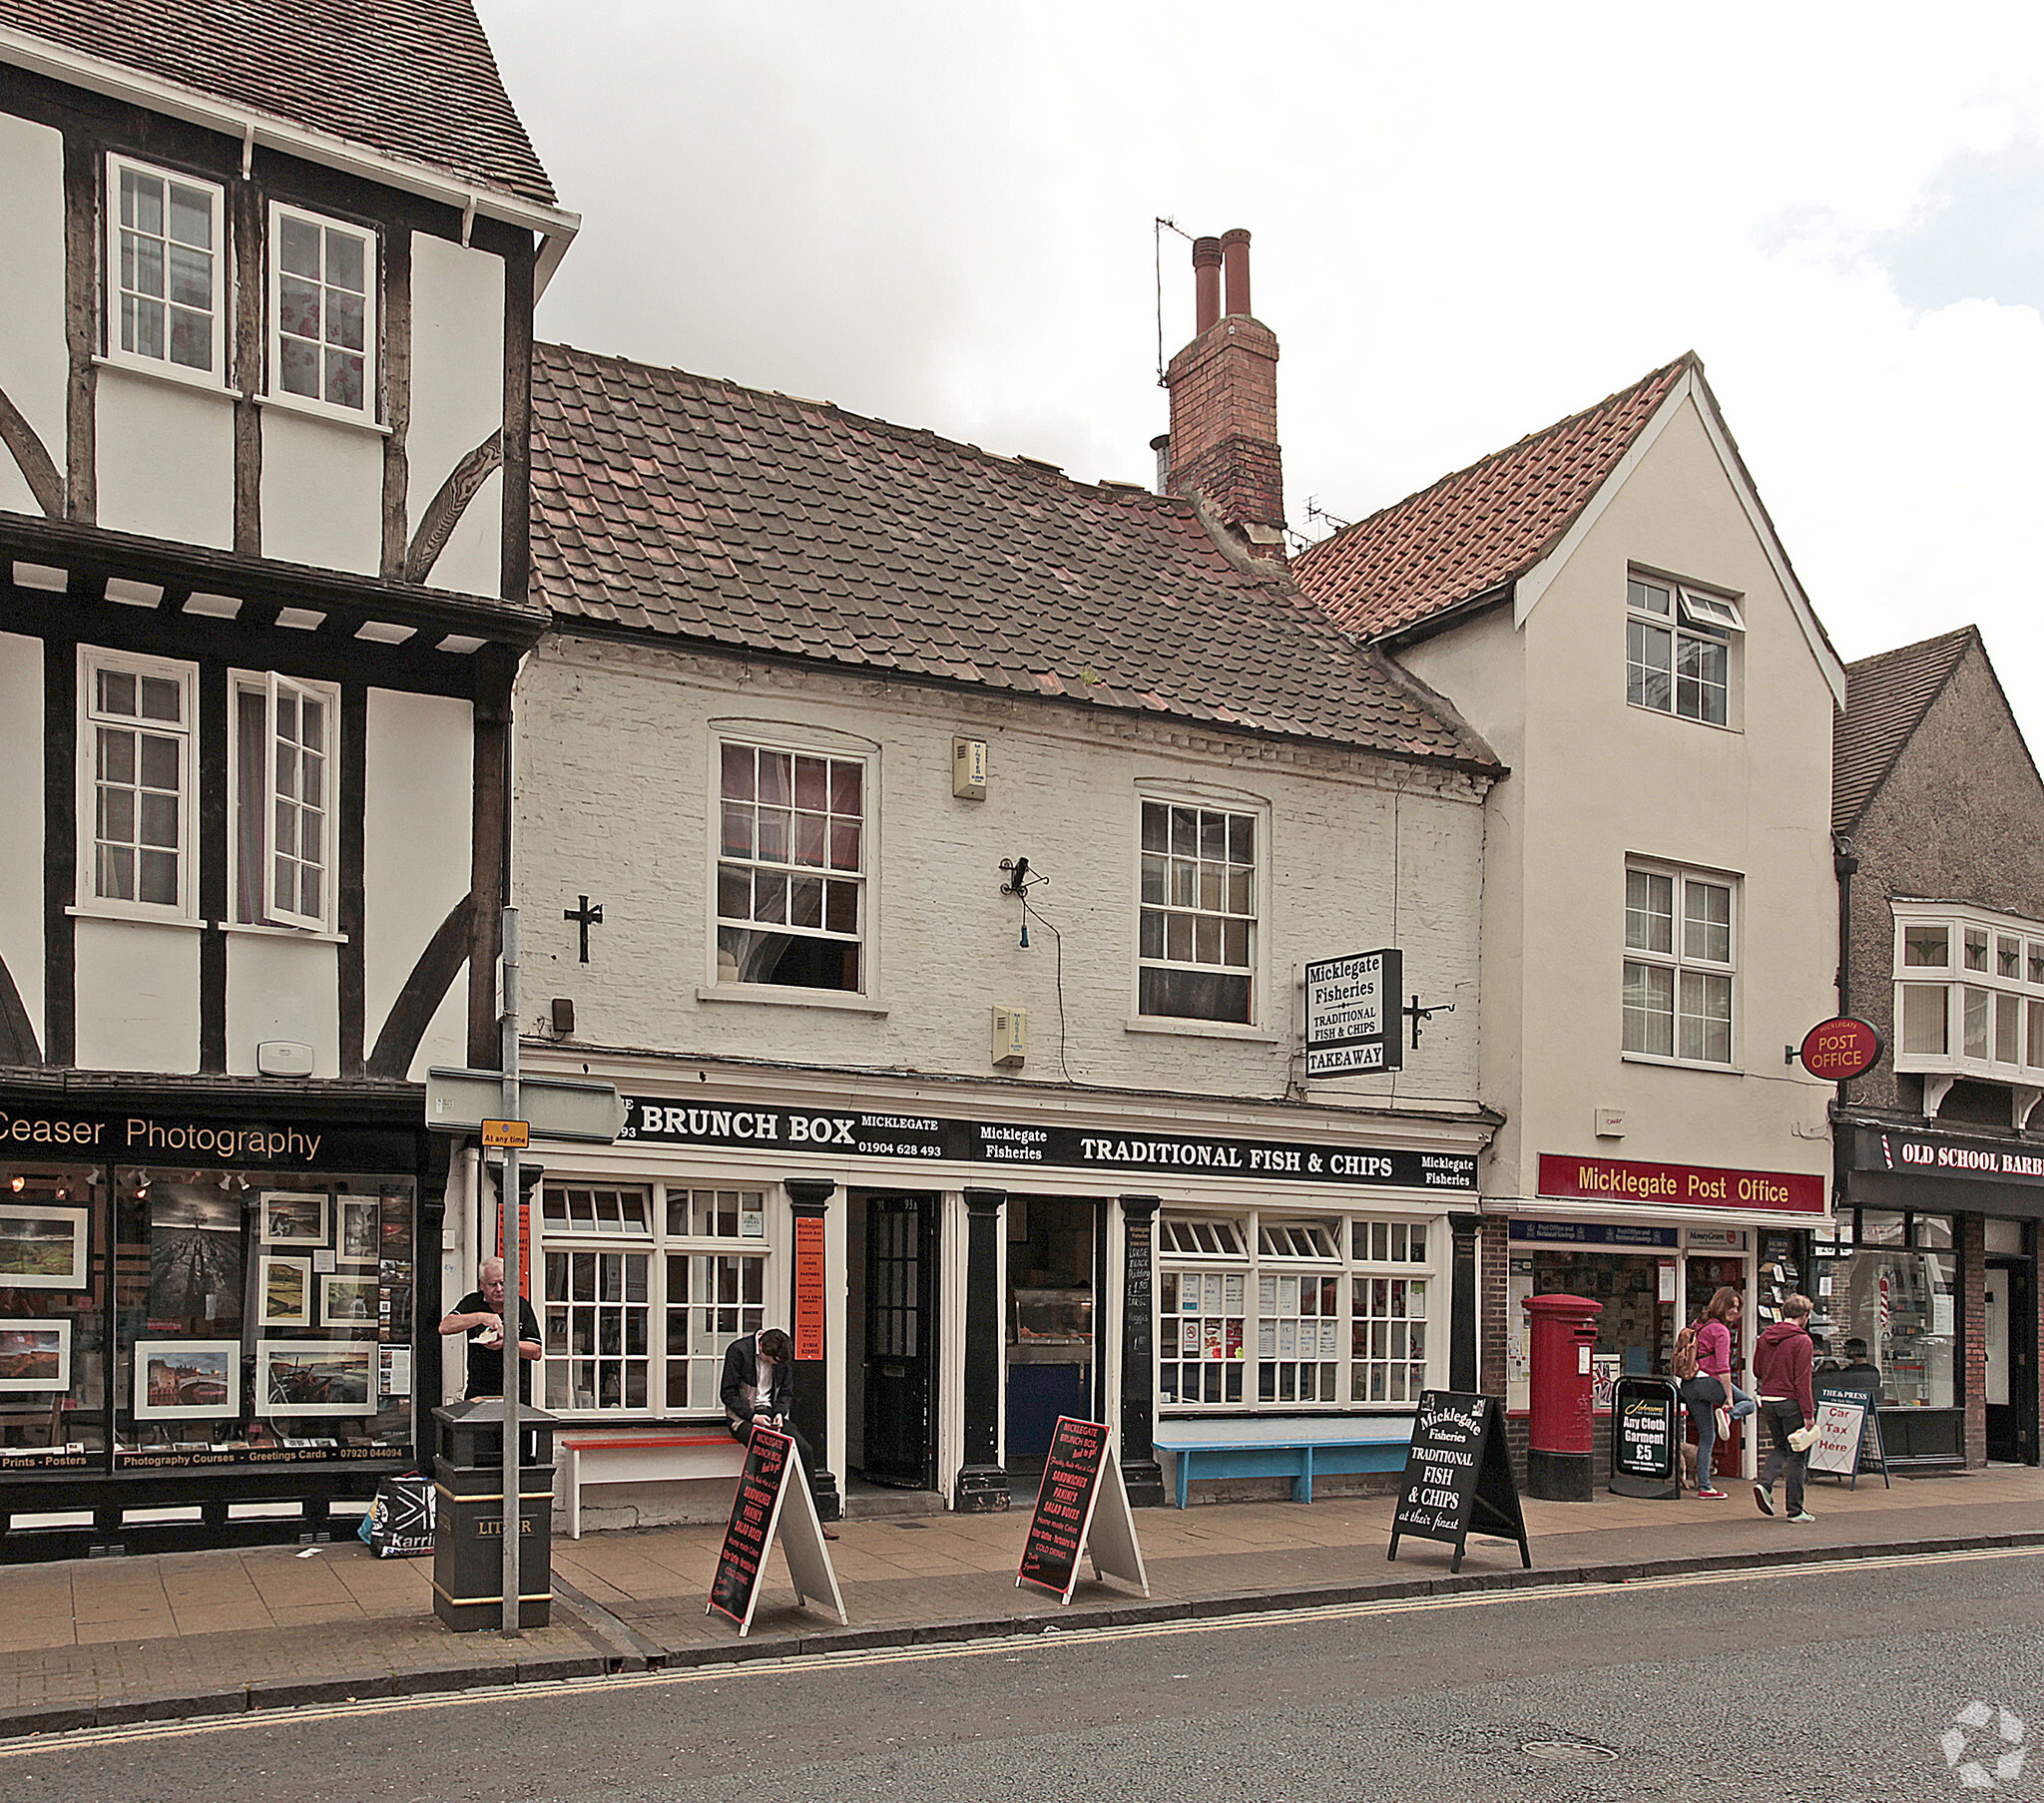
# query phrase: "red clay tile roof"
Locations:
[[1886, 697], [679, 505], [411, 78], [1482, 527]]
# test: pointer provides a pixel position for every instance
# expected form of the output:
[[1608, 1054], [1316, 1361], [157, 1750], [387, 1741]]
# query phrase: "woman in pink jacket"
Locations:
[[1714, 1360]]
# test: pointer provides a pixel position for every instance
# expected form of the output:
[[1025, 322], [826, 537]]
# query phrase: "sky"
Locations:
[[1468, 222]]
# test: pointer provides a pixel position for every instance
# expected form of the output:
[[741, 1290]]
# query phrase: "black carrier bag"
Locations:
[[400, 1519]]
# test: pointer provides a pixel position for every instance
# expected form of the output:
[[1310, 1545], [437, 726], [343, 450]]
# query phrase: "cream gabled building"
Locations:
[[1608, 604]]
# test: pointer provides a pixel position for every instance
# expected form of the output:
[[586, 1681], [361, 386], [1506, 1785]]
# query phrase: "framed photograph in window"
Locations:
[[356, 1229], [285, 1287], [44, 1247], [35, 1356], [292, 1217], [348, 1302], [315, 1377], [187, 1380]]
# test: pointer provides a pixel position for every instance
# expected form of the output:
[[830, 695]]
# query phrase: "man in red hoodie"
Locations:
[[1781, 1368]]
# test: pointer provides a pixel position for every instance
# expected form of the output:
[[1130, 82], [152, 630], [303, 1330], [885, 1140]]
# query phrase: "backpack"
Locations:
[[1686, 1354]]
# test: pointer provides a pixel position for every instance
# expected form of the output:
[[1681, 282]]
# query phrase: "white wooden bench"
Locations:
[[611, 1457]]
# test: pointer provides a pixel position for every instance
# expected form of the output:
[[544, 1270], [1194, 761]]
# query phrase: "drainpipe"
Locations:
[[1845, 866]]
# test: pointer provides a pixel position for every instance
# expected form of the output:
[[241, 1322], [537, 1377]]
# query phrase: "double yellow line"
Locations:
[[856, 1659]]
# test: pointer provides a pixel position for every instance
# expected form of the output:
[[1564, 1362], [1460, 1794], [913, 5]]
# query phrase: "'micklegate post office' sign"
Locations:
[[926, 1138]]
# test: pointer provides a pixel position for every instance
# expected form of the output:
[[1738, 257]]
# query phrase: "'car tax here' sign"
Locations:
[[1352, 1014]]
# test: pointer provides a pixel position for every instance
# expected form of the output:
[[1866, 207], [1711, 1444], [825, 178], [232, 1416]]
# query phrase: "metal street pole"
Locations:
[[507, 1213]]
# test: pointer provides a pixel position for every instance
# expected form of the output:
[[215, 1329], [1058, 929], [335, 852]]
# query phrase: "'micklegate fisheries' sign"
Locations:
[[1458, 1477], [931, 1136], [1352, 1014]]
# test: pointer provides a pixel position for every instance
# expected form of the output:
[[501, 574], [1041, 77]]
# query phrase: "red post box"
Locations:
[[1559, 1466]]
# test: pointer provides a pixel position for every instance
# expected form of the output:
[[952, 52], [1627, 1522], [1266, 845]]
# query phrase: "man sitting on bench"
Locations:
[[758, 1388]]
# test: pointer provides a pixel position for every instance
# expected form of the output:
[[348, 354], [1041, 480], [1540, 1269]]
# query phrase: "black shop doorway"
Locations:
[[899, 1442]]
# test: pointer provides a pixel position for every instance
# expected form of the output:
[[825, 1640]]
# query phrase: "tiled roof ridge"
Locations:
[[1611, 403], [1109, 486], [1896, 691]]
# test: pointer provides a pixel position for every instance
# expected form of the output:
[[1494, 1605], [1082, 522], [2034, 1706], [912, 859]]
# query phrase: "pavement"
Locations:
[[95, 1642]]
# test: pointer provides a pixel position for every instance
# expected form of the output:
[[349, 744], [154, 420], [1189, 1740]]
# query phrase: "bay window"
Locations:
[[1969, 995]]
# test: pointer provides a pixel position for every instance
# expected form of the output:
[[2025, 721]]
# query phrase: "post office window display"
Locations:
[[262, 1316], [53, 1293], [791, 869], [645, 1287], [1324, 1312]]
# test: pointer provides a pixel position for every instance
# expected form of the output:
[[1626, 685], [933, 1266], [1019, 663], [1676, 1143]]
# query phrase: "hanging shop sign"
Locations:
[[1680, 1186], [1620, 1236], [922, 1137], [1840, 1049], [1352, 1014], [1458, 1477]]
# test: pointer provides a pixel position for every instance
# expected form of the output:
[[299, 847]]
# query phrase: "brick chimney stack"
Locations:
[[1224, 403]]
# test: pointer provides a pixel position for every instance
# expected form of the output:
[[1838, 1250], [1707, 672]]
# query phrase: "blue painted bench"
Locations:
[[1333, 1449]]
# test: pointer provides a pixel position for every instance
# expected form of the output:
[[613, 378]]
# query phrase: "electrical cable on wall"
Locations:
[[1020, 880]]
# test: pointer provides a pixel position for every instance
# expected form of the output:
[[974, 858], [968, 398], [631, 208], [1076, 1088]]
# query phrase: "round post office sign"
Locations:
[[1840, 1050]]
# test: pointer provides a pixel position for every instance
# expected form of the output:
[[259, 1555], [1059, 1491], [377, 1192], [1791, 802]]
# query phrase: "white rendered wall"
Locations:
[[282, 989], [33, 361], [21, 874], [472, 560], [420, 761], [1596, 780], [457, 390], [137, 997], [322, 493], [614, 749], [166, 459]]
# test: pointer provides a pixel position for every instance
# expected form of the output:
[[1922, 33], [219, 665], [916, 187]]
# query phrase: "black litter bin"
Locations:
[[468, 1530]]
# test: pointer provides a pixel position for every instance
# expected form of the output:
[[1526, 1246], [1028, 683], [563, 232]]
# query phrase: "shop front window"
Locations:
[[640, 1327], [1324, 1312], [53, 1291], [262, 1317], [1890, 1301]]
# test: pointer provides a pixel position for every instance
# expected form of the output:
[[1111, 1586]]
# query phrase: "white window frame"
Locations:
[[1347, 1266], [91, 661], [1992, 988], [269, 685], [1680, 960], [274, 389], [1204, 800], [656, 1246], [838, 747], [216, 374], [1694, 616]]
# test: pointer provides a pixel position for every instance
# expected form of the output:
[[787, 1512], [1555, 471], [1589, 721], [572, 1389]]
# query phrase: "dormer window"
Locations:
[[165, 273], [1677, 649]]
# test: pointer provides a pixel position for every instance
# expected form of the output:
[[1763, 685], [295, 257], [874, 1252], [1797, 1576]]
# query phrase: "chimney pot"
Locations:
[[1235, 255], [1206, 282]]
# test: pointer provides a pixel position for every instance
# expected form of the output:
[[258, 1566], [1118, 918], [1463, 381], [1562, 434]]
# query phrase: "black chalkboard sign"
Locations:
[[1458, 1475], [734, 1590], [1646, 1438], [1064, 1506]]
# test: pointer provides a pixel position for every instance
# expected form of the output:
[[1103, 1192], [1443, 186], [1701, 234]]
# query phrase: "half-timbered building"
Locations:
[[266, 275]]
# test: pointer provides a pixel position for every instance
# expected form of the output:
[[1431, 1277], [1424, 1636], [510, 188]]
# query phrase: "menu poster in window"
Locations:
[[1458, 1477], [808, 1287], [765, 1494], [1081, 1508]]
